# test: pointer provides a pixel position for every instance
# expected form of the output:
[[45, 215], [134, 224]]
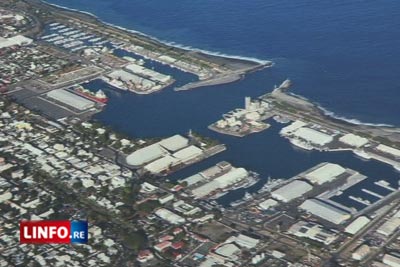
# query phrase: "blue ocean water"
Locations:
[[343, 55]]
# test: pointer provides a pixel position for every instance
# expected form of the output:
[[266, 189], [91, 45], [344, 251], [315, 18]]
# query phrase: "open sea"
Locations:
[[344, 55]]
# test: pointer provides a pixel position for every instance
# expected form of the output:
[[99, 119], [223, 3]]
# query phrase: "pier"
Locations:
[[372, 193], [360, 200], [384, 184]]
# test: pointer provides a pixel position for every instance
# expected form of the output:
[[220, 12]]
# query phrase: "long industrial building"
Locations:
[[161, 164], [226, 180], [390, 226], [353, 140], [391, 260], [182, 156], [312, 231], [291, 191], [292, 127], [165, 154], [130, 77], [267, 204], [325, 211], [174, 143], [313, 136], [71, 99], [151, 74], [188, 153], [146, 154], [389, 150], [357, 225], [155, 151], [325, 173], [16, 40], [169, 216]]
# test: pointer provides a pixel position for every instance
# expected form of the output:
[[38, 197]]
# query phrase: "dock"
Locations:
[[384, 184], [372, 193]]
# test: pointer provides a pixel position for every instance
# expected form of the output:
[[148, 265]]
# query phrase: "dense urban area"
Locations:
[[56, 163]]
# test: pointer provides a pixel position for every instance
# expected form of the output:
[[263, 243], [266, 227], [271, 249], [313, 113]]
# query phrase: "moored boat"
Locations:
[[99, 96]]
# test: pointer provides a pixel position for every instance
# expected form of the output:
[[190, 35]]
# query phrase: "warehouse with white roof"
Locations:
[[188, 153], [312, 231], [291, 191], [228, 179], [145, 155], [243, 241], [325, 211], [169, 216], [16, 40], [267, 204], [153, 75], [313, 136], [174, 143], [158, 157], [326, 173], [391, 260], [228, 250], [194, 179], [234, 176], [357, 225], [353, 140], [389, 150], [130, 77], [71, 99], [390, 226], [161, 164], [292, 127]]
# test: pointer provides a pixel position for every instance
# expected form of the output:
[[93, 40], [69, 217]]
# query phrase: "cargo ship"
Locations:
[[99, 96]]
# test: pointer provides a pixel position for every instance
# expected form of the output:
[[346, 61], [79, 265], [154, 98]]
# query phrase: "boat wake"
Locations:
[[169, 43]]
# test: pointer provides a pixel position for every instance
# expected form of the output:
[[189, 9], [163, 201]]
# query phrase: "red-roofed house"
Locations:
[[165, 238], [163, 245], [199, 238], [177, 255], [145, 255], [178, 245], [177, 231]]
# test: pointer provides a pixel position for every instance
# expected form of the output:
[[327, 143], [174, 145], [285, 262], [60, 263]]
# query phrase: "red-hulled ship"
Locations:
[[99, 96]]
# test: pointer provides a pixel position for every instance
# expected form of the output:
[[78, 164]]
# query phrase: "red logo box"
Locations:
[[44, 232]]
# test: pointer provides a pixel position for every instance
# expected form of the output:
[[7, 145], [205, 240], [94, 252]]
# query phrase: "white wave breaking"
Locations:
[[352, 121], [169, 43], [213, 53], [333, 115]]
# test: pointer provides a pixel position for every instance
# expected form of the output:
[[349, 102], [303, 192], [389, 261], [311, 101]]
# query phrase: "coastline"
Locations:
[[332, 115], [252, 64], [315, 113], [165, 42], [212, 68], [220, 80]]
